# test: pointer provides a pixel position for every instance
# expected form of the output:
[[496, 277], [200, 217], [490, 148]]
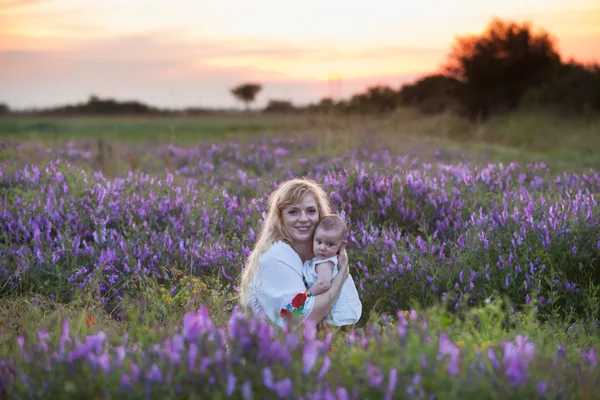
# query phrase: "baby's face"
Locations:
[[327, 243]]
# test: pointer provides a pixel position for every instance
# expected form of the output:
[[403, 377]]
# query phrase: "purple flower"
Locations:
[[267, 378], [341, 393], [231, 380], [42, 336], [375, 375], [391, 384], [447, 348], [590, 357], [205, 363], [412, 315], [280, 151], [309, 355], [283, 388], [541, 387], [192, 354], [324, 368], [292, 341], [155, 375], [196, 324], [102, 361], [135, 372], [516, 359], [247, 390], [120, 351]]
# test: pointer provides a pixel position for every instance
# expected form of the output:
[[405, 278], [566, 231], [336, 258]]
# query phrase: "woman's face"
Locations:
[[301, 218]]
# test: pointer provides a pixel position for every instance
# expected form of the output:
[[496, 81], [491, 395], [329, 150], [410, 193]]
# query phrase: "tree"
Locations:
[[382, 98], [4, 109], [279, 106], [377, 99], [497, 67], [246, 92], [573, 89], [431, 94]]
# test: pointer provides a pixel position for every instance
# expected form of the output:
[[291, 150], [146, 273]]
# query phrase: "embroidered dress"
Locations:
[[277, 290]]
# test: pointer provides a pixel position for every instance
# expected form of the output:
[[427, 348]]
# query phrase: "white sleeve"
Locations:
[[333, 259], [280, 289]]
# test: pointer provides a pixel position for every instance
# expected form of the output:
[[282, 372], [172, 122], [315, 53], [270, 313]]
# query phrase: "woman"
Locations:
[[271, 283]]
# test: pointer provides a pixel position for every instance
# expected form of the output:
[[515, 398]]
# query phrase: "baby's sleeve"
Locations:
[[281, 291], [333, 259]]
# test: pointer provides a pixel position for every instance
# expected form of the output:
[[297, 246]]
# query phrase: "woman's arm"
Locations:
[[324, 302]]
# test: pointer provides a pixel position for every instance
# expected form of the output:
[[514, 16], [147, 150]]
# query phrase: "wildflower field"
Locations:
[[118, 264]]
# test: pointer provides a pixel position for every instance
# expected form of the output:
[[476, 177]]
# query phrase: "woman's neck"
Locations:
[[304, 250]]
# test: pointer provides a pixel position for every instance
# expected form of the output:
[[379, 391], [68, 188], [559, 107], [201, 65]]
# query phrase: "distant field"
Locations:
[[136, 129], [563, 143]]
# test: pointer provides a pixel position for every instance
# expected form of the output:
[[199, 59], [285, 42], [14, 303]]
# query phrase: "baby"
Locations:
[[329, 235]]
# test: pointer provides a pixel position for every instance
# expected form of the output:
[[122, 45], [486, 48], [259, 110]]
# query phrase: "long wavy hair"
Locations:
[[287, 194]]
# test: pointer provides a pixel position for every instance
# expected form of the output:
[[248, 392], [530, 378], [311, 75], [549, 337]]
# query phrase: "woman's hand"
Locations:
[[322, 326], [343, 267]]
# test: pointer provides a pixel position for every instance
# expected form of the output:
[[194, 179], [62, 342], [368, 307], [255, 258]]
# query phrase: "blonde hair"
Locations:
[[287, 194]]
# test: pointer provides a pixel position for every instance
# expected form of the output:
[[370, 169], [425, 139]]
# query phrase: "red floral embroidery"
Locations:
[[296, 306], [299, 300]]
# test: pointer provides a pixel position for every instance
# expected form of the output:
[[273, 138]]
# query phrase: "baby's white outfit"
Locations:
[[347, 308]]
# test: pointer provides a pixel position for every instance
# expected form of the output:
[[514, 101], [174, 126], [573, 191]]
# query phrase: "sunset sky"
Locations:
[[179, 53]]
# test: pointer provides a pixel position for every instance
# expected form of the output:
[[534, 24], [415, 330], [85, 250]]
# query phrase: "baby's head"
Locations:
[[330, 233]]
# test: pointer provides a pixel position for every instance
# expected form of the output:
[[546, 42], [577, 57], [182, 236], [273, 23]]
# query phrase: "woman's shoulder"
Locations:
[[280, 251]]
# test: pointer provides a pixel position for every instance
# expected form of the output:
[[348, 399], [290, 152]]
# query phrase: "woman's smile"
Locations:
[[301, 218]]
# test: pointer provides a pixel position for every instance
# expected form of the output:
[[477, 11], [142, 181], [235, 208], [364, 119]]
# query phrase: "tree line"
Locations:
[[506, 67]]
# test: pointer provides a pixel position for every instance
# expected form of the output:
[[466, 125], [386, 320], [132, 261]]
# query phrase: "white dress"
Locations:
[[277, 288], [347, 308]]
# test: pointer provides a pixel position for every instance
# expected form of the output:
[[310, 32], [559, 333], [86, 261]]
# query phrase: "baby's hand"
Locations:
[[320, 287]]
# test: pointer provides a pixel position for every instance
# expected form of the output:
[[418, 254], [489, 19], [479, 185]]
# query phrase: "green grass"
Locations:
[[136, 129]]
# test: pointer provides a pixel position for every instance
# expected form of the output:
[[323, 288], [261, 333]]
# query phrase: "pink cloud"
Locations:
[[159, 69]]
